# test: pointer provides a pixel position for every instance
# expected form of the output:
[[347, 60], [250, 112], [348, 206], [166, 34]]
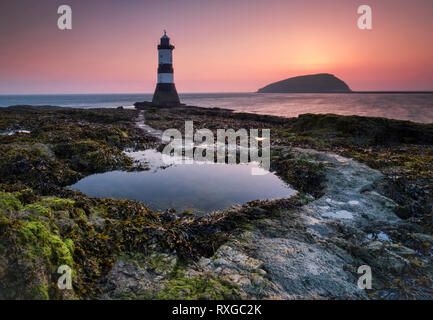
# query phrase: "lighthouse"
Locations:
[[165, 92]]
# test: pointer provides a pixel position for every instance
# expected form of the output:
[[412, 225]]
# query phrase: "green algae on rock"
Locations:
[[65, 144]]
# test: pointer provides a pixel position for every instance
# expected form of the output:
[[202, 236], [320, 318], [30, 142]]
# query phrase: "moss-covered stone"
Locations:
[[36, 238], [197, 288], [9, 202], [39, 292], [37, 209]]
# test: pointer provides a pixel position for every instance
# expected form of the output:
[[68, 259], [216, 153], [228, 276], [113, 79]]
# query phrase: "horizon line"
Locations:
[[221, 92]]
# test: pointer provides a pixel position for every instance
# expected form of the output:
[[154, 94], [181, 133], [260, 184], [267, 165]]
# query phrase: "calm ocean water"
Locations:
[[414, 107]]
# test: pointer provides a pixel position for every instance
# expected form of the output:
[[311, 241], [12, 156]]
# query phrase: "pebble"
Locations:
[[262, 272]]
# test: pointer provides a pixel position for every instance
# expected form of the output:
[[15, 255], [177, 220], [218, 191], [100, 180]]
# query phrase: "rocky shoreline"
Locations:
[[365, 193]]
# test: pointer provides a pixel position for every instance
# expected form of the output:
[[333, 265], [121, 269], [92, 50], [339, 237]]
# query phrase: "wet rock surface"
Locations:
[[360, 202], [313, 251]]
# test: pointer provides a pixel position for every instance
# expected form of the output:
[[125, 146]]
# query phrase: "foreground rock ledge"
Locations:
[[308, 246], [310, 253]]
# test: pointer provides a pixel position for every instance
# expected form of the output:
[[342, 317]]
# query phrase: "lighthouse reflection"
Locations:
[[199, 187]]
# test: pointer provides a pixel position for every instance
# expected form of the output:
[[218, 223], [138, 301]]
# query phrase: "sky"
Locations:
[[221, 45]]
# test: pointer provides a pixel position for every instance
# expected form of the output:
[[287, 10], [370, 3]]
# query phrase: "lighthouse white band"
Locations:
[[165, 56], [165, 78]]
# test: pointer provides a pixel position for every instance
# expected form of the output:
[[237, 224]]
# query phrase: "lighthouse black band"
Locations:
[[165, 68], [168, 87], [165, 46]]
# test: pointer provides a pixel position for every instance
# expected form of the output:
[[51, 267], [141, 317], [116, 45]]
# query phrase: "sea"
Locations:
[[416, 107]]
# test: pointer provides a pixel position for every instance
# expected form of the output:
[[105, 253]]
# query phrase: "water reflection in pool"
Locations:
[[200, 187]]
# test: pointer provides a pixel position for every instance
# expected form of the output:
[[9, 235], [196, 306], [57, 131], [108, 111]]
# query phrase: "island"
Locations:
[[315, 83]]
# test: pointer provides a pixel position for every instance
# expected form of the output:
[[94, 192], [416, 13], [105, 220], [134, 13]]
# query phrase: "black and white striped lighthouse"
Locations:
[[165, 92]]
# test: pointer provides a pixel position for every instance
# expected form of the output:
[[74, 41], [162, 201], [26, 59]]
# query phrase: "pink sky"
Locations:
[[221, 46]]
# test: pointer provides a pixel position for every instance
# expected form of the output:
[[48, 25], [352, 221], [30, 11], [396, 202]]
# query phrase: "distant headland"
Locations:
[[315, 83]]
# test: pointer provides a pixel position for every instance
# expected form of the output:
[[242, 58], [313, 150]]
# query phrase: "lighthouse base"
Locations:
[[165, 94]]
